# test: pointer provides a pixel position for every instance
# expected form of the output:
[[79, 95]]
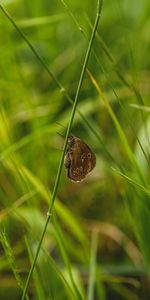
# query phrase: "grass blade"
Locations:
[[99, 7], [92, 270]]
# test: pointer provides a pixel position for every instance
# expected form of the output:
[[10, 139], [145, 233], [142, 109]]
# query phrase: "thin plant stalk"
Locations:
[[51, 74], [50, 210]]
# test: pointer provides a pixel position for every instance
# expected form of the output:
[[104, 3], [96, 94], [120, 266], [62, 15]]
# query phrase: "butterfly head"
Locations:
[[71, 139]]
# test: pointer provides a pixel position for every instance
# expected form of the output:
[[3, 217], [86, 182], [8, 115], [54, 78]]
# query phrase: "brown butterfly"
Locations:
[[79, 159]]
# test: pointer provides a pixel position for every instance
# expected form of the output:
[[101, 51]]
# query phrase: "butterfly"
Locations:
[[79, 159]]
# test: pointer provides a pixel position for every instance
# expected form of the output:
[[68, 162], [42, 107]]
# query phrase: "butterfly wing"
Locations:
[[82, 161]]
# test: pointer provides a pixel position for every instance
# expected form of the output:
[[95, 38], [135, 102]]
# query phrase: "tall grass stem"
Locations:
[[50, 210]]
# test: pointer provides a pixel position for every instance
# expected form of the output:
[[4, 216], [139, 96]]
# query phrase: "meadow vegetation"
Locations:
[[93, 237]]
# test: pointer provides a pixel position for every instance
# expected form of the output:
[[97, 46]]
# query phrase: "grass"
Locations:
[[97, 243]]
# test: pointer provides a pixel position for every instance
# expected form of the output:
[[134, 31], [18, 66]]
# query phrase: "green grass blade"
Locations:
[[133, 182], [92, 270], [52, 75], [65, 144], [120, 131]]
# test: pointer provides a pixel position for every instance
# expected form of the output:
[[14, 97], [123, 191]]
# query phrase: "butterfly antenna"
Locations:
[[60, 125], [60, 134]]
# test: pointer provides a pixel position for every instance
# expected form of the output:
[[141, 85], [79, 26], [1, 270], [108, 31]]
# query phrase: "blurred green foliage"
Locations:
[[98, 244]]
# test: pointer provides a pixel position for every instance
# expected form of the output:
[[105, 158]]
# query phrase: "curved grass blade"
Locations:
[[50, 210]]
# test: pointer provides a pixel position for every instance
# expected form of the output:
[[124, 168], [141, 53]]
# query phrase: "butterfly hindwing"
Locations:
[[79, 159]]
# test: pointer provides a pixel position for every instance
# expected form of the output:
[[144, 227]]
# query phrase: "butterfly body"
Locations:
[[79, 159]]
